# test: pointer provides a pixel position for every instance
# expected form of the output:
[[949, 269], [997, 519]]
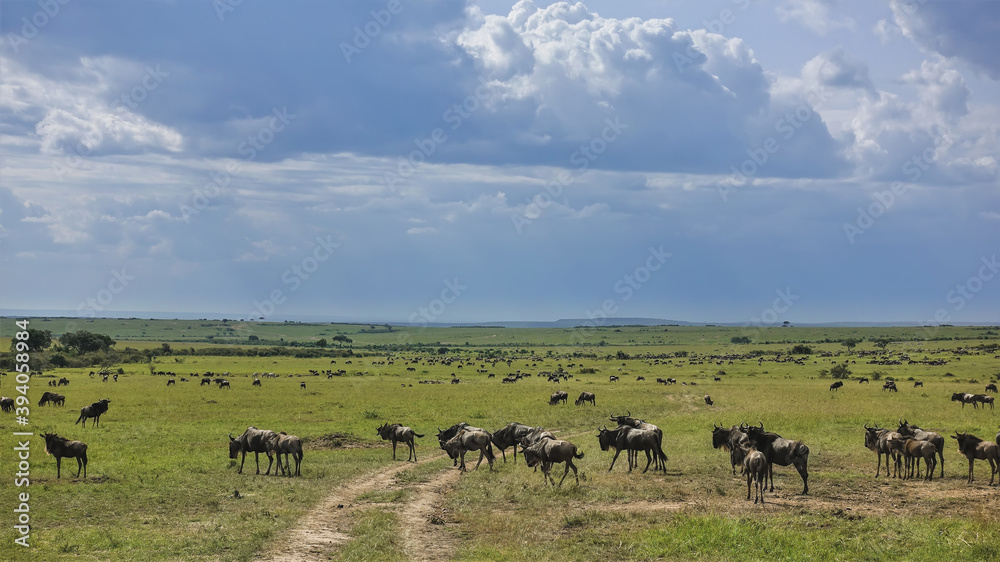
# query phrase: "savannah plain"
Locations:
[[160, 483]]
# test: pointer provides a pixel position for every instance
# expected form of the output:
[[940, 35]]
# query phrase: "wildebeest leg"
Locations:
[[970, 471], [800, 466], [243, 460], [941, 456], [393, 449], [770, 475], [79, 467], [617, 452], [270, 460], [649, 460], [749, 474], [413, 450], [878, 465], [993, 470], [58, 467]]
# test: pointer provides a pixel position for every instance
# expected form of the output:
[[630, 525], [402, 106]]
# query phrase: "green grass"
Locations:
[[160, 484]]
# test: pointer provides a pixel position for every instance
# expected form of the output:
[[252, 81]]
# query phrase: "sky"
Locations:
[[754, 161]]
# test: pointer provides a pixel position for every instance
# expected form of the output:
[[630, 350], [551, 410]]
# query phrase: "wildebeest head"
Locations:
[[608, 437], [234, 447]]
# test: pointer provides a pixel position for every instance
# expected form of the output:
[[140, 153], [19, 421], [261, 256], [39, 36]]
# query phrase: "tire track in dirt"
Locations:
[[426, 536], [327, 526]]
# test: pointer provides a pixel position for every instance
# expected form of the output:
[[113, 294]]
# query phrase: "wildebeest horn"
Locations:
[[231, 437], [866, 426], [629, 414], [717, 426], [900, 421], [761, 424]]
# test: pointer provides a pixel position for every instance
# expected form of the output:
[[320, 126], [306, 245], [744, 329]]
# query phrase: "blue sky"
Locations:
[[459, 161]]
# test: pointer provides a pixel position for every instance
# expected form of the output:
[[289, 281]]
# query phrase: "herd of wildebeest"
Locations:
[[751, 448]]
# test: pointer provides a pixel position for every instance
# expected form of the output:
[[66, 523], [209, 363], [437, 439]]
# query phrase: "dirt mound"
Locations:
[[337, 440]]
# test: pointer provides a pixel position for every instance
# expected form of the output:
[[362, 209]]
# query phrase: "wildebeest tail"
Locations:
[[418, 434], [79, 418], [577, 456], [489, 451]]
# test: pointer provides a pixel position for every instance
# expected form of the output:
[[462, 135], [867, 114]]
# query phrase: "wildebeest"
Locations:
[[632, 440], [708, 400], [397, 432], [285, 444], [975, 448], [586, 397], [913, 450], [302, 385], [991, 387], [835, 386], [877, 440], [640, 424], [550, 451], [557, 396], [755, 467], [171, 382], [206, 380], [734, 440], [6, 404], [53, 398], [445, 435], [62, 381], [890, 386], [964, 398], [918, 383], [780, 451], [93, 411], [907, 430], [256, 382], [510, 435], [471, 440], [613, 378], [254, 441], [863, 379], [983, 399], [60, 447], [224, 384]]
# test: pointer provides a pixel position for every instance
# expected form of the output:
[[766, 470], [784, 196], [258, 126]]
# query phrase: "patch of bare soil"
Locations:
[[318, 534], [338, 440]]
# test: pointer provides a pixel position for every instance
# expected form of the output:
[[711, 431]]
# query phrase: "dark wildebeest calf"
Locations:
[[396, 433], [907, 430], [586, 397], [780, 451], [60, 447], [93, 411], [550, 451], [254, 441], [975, 448]]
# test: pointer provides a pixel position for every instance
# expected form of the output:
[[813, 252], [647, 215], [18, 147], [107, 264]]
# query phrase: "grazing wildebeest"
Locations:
[[471, 440], [586, 397], [671, 381], [975, 448], [780, 451], [254, 441], [550, 451], [890, 386], [632, 440], [640, 424], [224, 384], [302, 385], [755, 467], [640, 378], [733, 440], [983, 399], [446, 435], [877, 440], [613, 378], [991, 387], [256, 382], [918, 383], [913, 450], [171, 381], [907, 430], [286, 444], [964, 398], [708, 400], [396, 433], [557, 396], [6, 404], [60, 447], [835, 386], [863, 379], [661, 381], [510, 435], [93, 411], [206, 380], [62, 381], [53, 398]]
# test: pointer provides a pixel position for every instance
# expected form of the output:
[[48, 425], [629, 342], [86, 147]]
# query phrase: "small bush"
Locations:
[[370, 415]]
